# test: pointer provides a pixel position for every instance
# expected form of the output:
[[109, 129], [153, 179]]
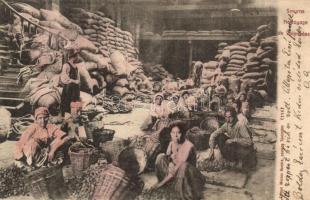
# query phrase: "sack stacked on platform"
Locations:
[[260, 68], [105, 35], [238, 52], [220, 48], [253, 62], [157, 72], [208, 73]]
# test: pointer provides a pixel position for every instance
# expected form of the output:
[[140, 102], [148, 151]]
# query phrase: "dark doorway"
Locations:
[[176, 58]]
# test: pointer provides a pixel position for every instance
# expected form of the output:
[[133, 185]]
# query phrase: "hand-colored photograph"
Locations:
[[138, 99]]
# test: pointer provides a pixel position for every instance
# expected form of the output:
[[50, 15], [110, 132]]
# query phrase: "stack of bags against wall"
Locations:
[[220, 49], [261, 63], [105, 35], [157, 71], [236, 58], [208, 71]]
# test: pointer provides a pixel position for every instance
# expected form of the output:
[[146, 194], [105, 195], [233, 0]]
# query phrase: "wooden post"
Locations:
[[190, 59], [118, 14], [137, 35]]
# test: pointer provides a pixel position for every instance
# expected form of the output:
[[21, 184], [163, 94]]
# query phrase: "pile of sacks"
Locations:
[[108, 55], [253, 62], [103, 33], [157, 72], [208, 72]]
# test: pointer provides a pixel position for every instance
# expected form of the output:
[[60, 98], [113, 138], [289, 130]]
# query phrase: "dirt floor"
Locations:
[[257, 185]]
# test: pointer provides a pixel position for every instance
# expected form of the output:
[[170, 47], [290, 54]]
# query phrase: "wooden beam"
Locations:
[[224, 37]]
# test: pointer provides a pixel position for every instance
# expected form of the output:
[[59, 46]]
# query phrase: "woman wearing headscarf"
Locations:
[[177, 168], [40, 140], [158, 111]]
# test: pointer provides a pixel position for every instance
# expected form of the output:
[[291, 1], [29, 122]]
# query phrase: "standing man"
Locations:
[[197, 72], [70, 79], [234, 140]]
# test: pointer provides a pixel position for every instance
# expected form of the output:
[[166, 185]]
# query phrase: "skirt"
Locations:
[[70, 93], [188, 183]]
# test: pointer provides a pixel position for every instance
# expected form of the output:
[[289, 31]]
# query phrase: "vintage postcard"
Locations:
[[154, 99]]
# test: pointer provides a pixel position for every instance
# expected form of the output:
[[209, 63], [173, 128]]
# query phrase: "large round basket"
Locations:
[[132, 160], [114, 184], [113, 148], [199, 138], [47, 183]]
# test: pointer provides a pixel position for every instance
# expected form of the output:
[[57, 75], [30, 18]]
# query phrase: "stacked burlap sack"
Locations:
[[107, 52], [253, 63], [104, 34], [260, 68], [157, 71], [208, 71]]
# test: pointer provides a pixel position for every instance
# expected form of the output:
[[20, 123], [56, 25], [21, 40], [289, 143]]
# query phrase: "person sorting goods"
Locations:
[[234, 139], [158, 111], [70, 78], [73, 123], [39, 142], [178, 166]]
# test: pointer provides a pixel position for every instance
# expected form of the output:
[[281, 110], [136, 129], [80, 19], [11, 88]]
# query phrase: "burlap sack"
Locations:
[[242, 53], [30, 17], [237, 48], [252, 64], [56, 16], [25, 8], [90, 31], [239, 57], [236, 62], [122, 82], [254, 75], [51, 24], [96, 58]]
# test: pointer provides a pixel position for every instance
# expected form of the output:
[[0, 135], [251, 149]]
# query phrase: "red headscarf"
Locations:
[[41, 111]]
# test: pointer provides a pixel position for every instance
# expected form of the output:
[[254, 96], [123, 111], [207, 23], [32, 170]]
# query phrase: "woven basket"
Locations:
[[114, 148], [113, 184], [47, 183], [200, 139], [81, 159]]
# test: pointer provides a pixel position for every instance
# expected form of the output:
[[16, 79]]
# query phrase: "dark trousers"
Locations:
[[237, 152], [70, 93]]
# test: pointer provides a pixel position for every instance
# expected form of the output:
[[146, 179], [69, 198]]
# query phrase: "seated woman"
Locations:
[[178, 166], [40, 141], [158, 111]]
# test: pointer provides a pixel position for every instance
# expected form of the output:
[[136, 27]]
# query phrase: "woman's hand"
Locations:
[[50, 156], [211, 154]]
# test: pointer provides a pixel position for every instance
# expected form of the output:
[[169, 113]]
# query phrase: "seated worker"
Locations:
[[182, 104], [177, 168], [16, 33], [220, 89], [244, 106], [234, 140], [39, 142], [172, 104], [158, 111], [73, 123]]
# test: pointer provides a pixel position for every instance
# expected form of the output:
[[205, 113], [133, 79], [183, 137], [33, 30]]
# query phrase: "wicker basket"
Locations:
[[113, 184], [81, 159], [114, 148], [199, 138], [132, 160], [47, 183]]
